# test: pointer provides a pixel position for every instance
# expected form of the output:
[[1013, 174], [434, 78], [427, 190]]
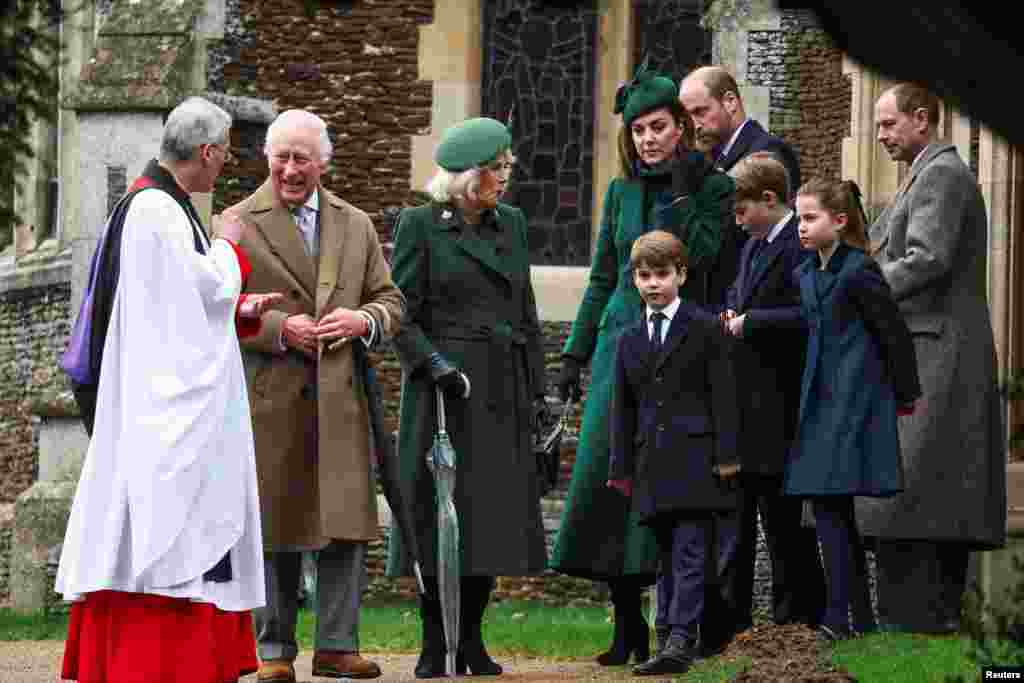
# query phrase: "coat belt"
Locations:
[[502, 338]]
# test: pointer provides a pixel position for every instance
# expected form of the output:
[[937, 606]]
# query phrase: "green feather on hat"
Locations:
[[471, 143], [649, 90]]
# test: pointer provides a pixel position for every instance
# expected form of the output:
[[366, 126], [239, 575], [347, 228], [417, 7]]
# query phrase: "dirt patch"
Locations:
[[784, 654]]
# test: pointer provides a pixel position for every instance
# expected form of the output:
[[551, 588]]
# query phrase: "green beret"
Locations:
[[646, 92], [471, 143]]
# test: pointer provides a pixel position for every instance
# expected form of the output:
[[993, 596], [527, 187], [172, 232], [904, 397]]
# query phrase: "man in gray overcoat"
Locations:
[[931, 243]]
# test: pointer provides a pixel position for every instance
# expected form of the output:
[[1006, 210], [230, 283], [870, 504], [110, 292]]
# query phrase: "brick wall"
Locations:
[[34, 326], [353, 64], [810, 96]]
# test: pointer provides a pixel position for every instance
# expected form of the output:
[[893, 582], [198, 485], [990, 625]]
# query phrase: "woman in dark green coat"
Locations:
[[470, 328], [662, 184]]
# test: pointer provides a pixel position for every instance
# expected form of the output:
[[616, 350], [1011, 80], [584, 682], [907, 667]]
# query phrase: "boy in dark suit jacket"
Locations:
[[763, 315], [673, 441]]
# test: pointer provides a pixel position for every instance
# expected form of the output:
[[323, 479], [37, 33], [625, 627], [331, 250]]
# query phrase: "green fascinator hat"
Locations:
[[649, 90], [471, 143]]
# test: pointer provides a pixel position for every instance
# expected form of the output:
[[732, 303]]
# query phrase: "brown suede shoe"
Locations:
[[334, 664], [276, 671]]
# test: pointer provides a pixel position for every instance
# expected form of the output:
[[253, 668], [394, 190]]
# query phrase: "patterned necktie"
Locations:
[[305, 221], [657, 318]]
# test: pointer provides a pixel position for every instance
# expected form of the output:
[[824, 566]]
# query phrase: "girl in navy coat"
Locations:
[[860, 372]]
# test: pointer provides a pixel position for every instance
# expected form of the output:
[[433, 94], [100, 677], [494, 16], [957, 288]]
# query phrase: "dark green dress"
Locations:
[[469, 298], [599, 536]]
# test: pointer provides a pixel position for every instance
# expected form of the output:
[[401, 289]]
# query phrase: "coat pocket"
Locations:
[[692, 425], [930, 325]]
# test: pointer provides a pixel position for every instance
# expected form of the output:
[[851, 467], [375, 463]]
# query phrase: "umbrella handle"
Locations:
[[440, 411]]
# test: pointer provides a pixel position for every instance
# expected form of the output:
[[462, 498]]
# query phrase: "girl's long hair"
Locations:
[[841, 196]]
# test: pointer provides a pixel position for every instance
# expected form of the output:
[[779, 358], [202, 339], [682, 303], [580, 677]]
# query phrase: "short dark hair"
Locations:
[[658, 249], [910, 97], [758, 173]]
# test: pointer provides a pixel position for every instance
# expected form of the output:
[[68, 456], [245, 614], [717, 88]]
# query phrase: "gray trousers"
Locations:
[[341, 579]]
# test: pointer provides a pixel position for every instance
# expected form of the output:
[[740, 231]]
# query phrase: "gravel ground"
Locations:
[[39, 662], [780, 654]]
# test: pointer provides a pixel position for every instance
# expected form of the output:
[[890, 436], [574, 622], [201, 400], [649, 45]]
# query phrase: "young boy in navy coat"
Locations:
[[673, 441], [763, 315]]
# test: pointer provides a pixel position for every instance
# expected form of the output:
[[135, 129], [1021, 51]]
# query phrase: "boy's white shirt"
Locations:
[[669, 312]]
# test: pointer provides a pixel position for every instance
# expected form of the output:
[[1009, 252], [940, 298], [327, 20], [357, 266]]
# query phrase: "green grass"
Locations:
[[14, 626], [579, 633], [899, 657]]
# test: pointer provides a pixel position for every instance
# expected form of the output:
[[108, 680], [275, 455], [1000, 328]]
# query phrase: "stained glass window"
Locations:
[[670, 32], [539, 63]]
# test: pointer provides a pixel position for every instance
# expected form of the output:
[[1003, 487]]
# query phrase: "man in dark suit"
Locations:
[[673, 438], [763, 314], [712, 99]]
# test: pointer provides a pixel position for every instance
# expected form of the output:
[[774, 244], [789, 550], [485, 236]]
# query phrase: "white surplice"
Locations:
[[169, 481]]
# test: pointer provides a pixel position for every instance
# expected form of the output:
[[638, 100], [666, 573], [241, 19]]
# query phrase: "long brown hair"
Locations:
[[627, 150], [841, 196]]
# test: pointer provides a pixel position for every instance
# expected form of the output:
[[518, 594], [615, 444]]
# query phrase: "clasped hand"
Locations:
[[304, 334], [732, 324]]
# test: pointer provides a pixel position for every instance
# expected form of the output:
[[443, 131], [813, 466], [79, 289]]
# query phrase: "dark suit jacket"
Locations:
[[769, 358], [754, 138], [674, 417]]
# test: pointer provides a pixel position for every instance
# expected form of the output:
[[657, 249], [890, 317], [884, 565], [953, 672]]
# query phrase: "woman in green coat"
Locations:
[[662, 184], [471, 329]]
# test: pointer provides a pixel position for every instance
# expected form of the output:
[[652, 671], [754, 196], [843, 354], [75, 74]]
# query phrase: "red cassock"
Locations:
[[117, 637]]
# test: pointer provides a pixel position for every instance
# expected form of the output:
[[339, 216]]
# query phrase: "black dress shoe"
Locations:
[[678, 656], [828, 636]]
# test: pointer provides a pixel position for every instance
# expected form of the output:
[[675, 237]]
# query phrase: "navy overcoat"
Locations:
[[769, 357], [674, 416], [860, 366]]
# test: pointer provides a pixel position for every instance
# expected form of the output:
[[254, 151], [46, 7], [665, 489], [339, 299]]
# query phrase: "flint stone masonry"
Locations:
[[810, 98], [356, 66], [41, 515], [34, 325]]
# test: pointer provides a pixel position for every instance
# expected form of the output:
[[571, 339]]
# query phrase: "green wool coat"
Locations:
[[470, 299], [599, 537]]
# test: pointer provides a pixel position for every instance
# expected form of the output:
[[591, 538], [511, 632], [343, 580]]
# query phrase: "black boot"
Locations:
[[631, 636], [476, 593], [431, 663]]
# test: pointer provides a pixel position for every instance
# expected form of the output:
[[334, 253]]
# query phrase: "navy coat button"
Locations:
[[308, 391], [661, 428]]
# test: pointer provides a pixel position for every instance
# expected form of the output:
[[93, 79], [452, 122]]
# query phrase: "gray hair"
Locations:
[[192, 123], [300, 118], [446, 186]]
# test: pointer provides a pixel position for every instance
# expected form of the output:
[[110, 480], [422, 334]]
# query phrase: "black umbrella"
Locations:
[[387, 460]]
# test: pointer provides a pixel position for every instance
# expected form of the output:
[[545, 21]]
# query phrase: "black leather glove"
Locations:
[[542, 417], [569, 380], [453, 383], [688, 175]]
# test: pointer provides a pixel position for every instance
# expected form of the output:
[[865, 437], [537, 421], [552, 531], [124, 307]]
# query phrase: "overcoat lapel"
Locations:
[[743, 142], [277, 226], [334, 226], [879, 232], [677, 332], [769, 253], [449, 218]]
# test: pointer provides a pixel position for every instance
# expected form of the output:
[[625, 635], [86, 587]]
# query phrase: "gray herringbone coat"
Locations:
[[932, 245]]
